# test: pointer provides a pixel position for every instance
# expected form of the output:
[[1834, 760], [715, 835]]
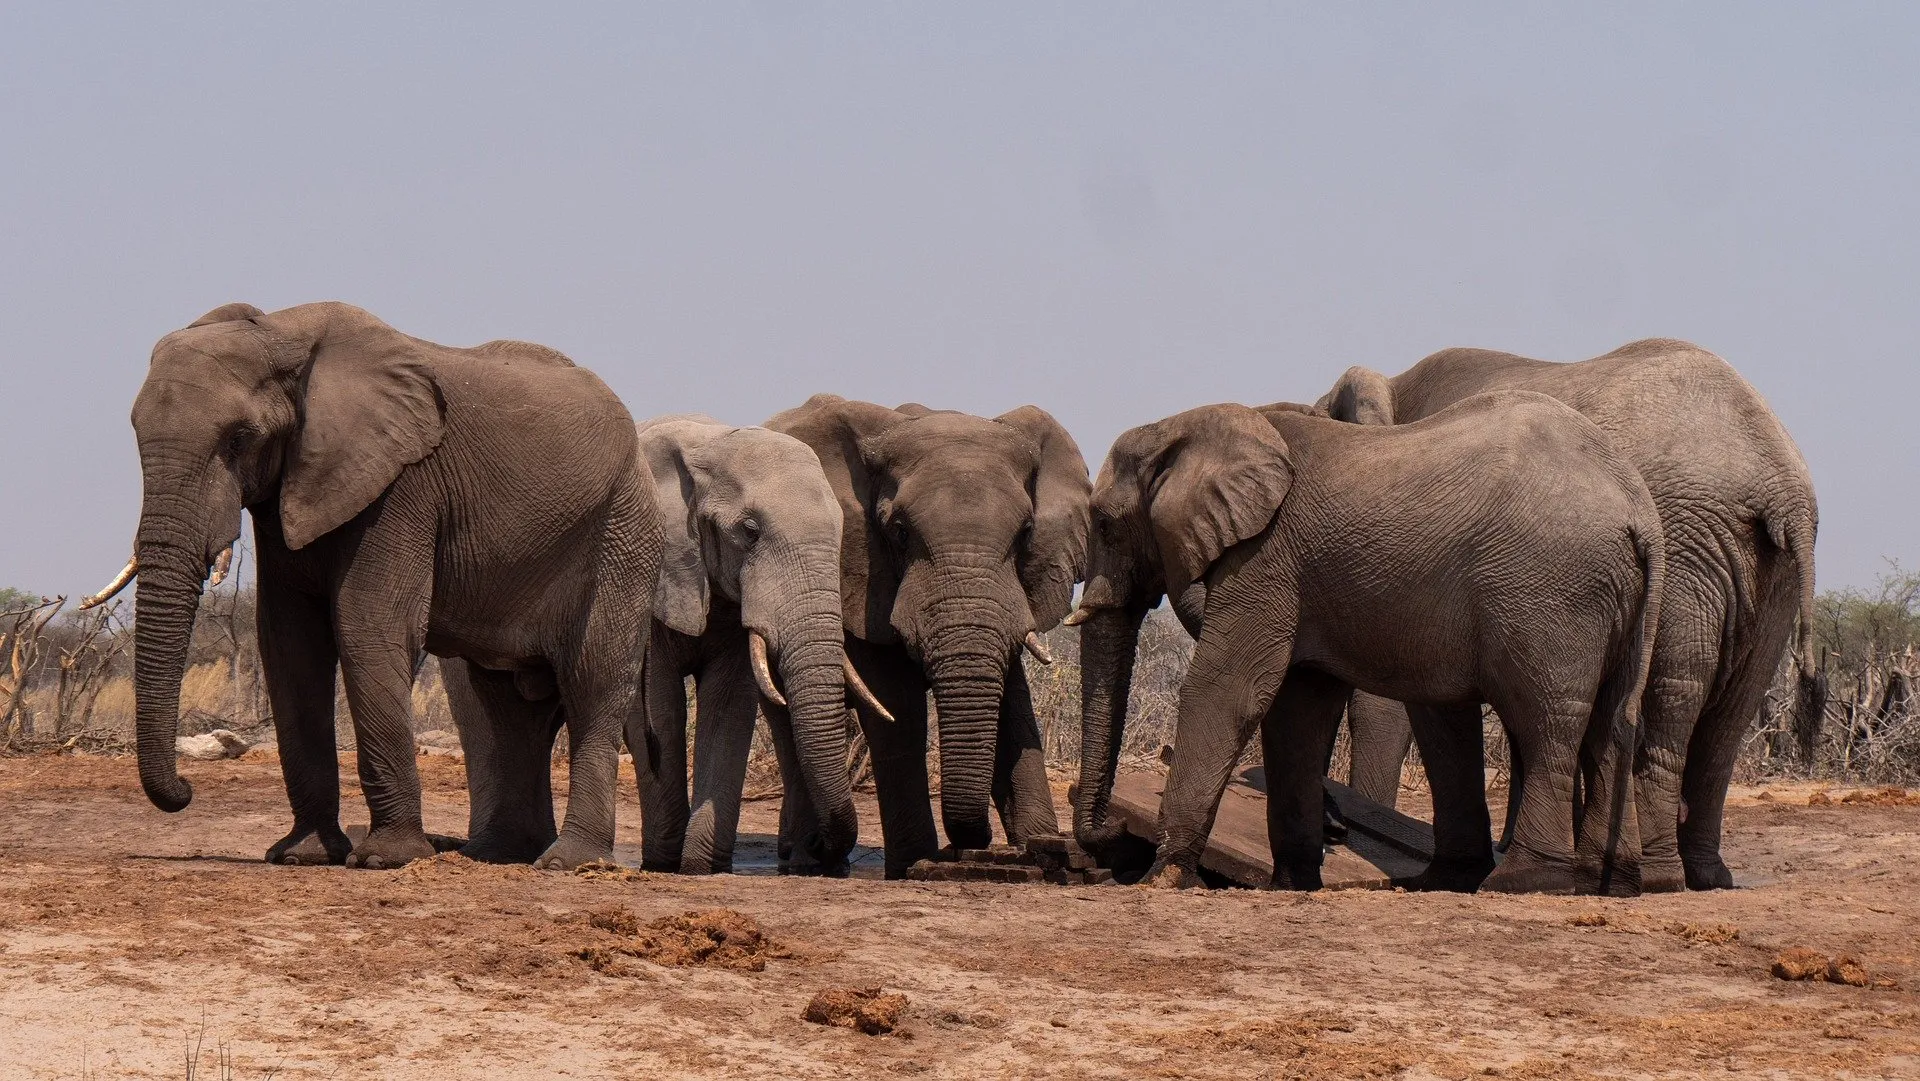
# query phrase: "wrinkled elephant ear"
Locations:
[[1055, 554], [371, 409], [1211, 478], [835, 427], [1362, 396], [227, 313], [682, 597]]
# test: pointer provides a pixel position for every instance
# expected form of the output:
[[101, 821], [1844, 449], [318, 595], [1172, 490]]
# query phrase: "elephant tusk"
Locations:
[[221, 564], [1077, 617], [762, 675], [1037, 648], [859, 687], [119, 583]]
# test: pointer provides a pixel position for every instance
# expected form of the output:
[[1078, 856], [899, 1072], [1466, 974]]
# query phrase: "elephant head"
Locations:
[[748, 514], [963, 540], [304, 416], [1360, 396], [1172, 498]]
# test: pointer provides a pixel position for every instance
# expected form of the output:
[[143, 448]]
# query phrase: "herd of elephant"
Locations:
[[1610, 553]]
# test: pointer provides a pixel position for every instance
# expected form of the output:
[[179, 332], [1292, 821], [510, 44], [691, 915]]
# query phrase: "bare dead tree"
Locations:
[[22, 640], [85, 664]]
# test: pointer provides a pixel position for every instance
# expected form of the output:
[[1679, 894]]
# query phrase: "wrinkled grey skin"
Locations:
[[1380, 736], [1737, 504], [406, 497], [961, 535], [1498, 552], [753, 544]]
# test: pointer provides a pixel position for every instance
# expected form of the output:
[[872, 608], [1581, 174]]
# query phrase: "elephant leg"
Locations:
[[1546, 734], [899, 753], [1685, 655], [1379, 735], [1747, 672], [509, 749], [796, 807], [657, 736], [722, 740], [595, 700], [1607, 847], [1516, 783], [298, 659], [1021, 790], [1304, 718], [1453, 753]]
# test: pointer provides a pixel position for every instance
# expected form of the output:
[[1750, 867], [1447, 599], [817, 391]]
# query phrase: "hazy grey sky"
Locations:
[[1112, 211]]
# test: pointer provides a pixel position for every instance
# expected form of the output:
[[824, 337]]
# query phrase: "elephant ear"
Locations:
[[683, 596], [371, 408], [1362, 396], [227, 313], [1054, 555], [1216, 477], [834, 427]]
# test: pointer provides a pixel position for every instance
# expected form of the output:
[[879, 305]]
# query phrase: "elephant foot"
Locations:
[[1620, 880], [1525, 872], [1300, 875], [1169, 876], [490, 846], [304, 847], [1662, 876], [570, 852], [389, 847], [813, 869], [697, 866], [1708, 874], [1448, 876]]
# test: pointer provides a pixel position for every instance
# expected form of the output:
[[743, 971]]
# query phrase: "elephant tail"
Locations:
[[1793, 533], [1650, 547]]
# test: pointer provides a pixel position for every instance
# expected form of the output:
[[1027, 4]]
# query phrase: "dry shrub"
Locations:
[[863, 1009]]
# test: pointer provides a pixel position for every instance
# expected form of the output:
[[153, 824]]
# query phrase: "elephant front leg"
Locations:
[[297, 656], [723, 740], [1021, 791], [1301, 723], [657, 736], [380, 693], [899, 753], [1231, 682]]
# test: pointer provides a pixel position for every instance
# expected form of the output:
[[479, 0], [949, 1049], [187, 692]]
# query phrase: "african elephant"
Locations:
[[962, 540], [407, 498], [1737, 505], [1500, 552], [750, 584]]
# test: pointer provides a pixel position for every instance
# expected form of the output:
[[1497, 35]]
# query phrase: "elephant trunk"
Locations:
[[173, 565], [812, 656], [1109, 641], [969, 670]]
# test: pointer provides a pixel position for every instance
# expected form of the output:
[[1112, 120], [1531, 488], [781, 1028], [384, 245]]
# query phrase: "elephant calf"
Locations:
[[1500, 552]]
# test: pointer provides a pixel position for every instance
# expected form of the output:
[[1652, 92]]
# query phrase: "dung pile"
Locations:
[[864, 1009], [712, 938], [1801, 963]]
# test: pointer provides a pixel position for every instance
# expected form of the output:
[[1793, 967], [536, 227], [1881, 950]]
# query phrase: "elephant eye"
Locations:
[[751, 527], [239, 441], [897, 529]]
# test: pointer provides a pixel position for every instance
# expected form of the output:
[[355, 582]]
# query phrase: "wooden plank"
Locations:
[[1374, 855]]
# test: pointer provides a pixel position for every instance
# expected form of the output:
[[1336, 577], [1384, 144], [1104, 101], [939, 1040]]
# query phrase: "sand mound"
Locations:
[[865, 1009]]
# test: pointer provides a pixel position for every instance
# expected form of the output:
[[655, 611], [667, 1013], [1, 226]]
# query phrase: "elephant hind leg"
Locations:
[[1452, 752], [1294, 735], [509, 747], [1547, 736], [1379, 735]]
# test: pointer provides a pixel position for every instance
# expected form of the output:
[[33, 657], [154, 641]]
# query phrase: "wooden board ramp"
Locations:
[[1053, 858], [1381, 844]]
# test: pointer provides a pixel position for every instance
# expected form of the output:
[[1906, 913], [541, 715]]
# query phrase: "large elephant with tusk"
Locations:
[[962, 539], [406, 498], [749, 607]]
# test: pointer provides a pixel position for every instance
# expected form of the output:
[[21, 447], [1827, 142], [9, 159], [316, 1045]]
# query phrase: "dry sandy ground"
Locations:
[[126, 934]]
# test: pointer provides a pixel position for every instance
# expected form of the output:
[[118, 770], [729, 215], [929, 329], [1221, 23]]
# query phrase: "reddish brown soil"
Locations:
[[126, 934]]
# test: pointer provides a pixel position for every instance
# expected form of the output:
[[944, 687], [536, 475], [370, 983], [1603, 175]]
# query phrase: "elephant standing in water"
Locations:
[[749, 605], [1499, 552], [406, 497], [962, 540], [1737, 505]]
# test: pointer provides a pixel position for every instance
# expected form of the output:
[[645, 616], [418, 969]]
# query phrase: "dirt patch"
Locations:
[[863, 1009], [1312, 1045], [1866, 797]]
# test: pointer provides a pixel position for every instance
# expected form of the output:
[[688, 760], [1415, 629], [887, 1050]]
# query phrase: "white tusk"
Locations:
[[221, 564], [1035, 647], [757, 650], [119, 583], [859, 687], [1077, 617]]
